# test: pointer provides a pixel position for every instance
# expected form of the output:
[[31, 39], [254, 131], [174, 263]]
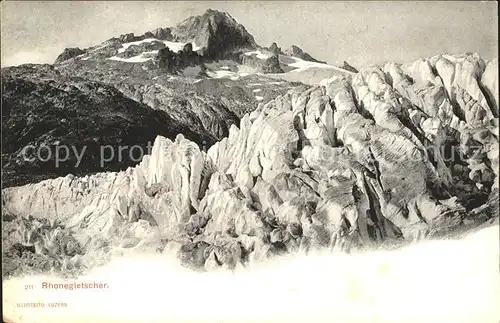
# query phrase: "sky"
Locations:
[[359, 32]]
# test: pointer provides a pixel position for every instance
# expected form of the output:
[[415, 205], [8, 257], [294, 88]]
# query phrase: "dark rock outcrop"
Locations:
[[171, 62], [45, 245], [162, 33]]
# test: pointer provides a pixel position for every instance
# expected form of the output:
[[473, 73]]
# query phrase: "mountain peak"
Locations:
[[69, 53], [296, 51], [214, 12]]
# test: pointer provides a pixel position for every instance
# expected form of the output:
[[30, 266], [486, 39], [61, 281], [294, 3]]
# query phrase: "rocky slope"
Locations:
[[384, 156]]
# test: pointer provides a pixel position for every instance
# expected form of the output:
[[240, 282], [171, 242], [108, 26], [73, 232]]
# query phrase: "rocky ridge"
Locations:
[[296, 51], [390, 154]]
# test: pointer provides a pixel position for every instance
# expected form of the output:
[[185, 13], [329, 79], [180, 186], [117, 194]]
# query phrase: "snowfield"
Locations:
[[433, 281]]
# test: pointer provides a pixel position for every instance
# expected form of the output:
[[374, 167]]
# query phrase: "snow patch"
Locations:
[[141, 58], [327, 81], [302, 65]]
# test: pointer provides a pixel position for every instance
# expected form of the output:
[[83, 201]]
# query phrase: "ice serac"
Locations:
[[388, 155]]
